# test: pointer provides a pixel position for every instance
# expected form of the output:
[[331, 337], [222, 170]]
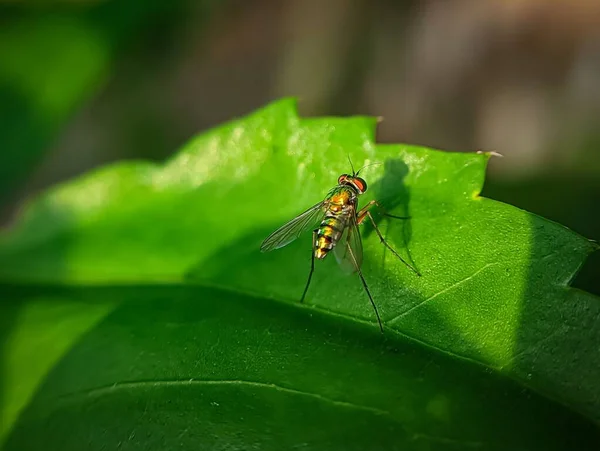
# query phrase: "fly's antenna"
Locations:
[[366, 166], [352, 166]]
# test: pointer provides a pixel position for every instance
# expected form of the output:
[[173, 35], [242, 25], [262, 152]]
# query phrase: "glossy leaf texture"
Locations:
[[138, 311]]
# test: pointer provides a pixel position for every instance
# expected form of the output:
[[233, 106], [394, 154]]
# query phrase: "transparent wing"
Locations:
[[287, 233], [350, 240]]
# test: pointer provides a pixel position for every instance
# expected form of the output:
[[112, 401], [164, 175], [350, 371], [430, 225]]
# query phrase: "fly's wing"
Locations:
[[349, 251], [287, 233]]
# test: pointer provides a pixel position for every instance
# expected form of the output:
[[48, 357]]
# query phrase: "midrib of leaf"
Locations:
[[137, 385]]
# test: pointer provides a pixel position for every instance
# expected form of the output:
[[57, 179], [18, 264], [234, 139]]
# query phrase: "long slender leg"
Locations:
[[362, 212], [364, 282], [312, 266], [394, 216], [365, 213]]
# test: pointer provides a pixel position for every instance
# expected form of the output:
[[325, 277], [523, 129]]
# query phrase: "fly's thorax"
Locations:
[[342, 196]]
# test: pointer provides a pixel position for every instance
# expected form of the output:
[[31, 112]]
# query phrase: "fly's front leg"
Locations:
[[365, 213]]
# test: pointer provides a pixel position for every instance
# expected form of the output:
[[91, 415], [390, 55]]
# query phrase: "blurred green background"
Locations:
[[86, 82]]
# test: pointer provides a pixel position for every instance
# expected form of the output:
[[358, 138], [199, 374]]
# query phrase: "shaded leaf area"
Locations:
[[493, 292], [34, 336], [188, 367], [565, 199]]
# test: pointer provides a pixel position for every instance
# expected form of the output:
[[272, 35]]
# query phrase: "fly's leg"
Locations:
[[367, 207], [312, 266], [364, 282], [365, 213]]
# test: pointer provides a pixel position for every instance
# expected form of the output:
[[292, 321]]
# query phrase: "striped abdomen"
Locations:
[[329, 232]]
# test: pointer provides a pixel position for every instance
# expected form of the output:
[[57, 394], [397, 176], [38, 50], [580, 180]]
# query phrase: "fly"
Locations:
[[334, 223]]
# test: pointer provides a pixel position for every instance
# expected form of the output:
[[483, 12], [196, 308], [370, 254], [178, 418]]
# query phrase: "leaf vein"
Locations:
[[447, 440], [445, 290], [101, 391], [533, 346]]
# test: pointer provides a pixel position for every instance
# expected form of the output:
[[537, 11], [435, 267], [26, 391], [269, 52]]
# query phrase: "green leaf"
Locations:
[[143, 315]]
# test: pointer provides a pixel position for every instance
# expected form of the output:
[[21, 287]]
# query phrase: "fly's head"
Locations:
[[354, 181]]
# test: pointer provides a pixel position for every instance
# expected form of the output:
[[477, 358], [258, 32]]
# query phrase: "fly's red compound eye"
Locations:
[[360, 184], [342, 179]]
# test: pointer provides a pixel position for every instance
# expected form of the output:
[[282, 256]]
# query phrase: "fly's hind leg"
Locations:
[[365, 213], [364, 282], [312, 266]]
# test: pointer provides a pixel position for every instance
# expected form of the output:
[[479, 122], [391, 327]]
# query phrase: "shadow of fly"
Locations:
[[334, 223]]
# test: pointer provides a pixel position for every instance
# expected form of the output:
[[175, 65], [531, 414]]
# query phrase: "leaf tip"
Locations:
[[490, 153]]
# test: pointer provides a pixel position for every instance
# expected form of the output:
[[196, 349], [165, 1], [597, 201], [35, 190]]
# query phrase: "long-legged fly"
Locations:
[[334, 223]]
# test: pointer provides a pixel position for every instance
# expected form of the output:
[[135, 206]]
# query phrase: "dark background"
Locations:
[[83, 83]]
